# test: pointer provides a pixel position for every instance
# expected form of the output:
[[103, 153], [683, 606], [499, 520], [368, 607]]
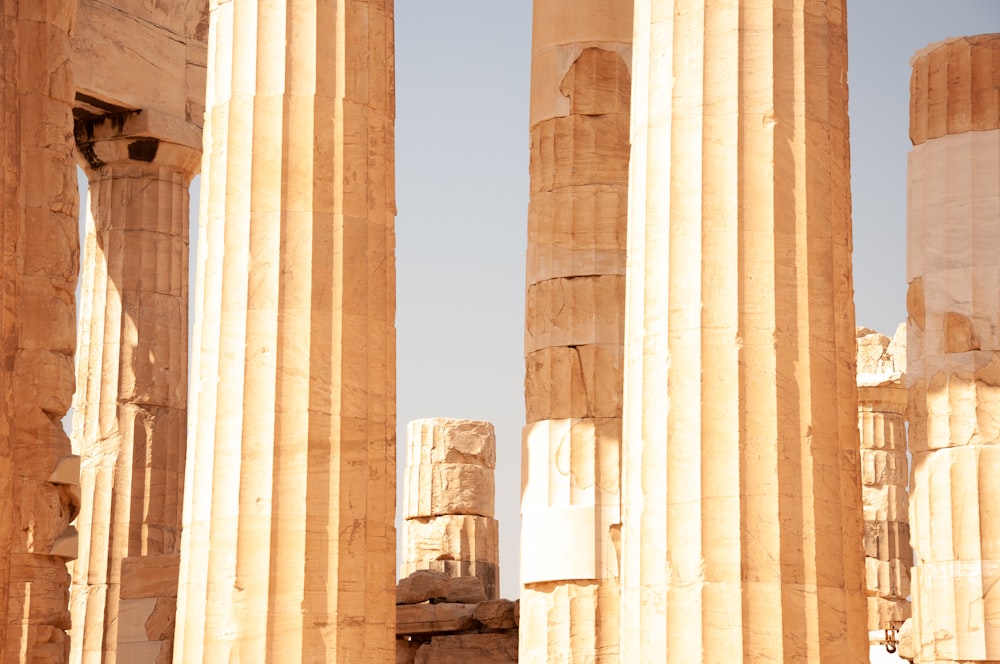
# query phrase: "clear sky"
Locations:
[[462, 74]]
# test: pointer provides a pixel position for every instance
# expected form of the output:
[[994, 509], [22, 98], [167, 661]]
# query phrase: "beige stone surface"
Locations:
[[144, 54], [470, 649], [882, 402], [423, 585], [574, 321], [496, 614], [449, 468], [741, 489], [953, 88], [406, 650], [433, 618], [953, 273], [39, 255], [448, 501], [451, 537], [140, 73], [289, 546], [130, 409]]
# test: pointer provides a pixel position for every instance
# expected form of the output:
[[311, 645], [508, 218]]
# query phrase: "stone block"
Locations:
[[452, 441], [448, 488], [132, 617], [577, 232], [880, 467], [488, 573], [573, 382], [490, 648], [413, 619], [579, 150], [422, 585], [406, 650], [496, 614], [939, 103], [574, 312], [457, 537], [149, 576], [465, 590]]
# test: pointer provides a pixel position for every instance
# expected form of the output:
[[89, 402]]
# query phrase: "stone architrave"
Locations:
[[288, 550], [448, 501], [39, 255], [741, 488], [574, 321], [953, 369], [884, 476]]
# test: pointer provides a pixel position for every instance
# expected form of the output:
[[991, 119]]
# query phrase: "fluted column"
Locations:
[[953, 271], [288, 551], [39, 254], [448, 501], [884, 476], [580, 86], [130, 411], [741, 488]]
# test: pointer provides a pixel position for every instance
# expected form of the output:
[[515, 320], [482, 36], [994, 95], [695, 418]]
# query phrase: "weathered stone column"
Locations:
[[884, 475], [130, 411], [448, 501], [953, 271], [288, 551], [741, 478], [39, 254], [580, 87]]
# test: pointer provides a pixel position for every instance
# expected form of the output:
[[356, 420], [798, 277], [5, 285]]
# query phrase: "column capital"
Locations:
[[135, 137]]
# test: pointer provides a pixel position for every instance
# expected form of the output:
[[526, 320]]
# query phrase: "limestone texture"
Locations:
[[953, 369], [884, 473], [741, 489], [446, 619], [574, 321], [448, 501], [288, 546], [140, 145], [39, 257]]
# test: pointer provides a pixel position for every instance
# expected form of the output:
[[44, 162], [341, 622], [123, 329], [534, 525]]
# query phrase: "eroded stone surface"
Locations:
[[741, 474], [448, 499], [290, 485], [954, 349], [884, 474], [574, 321], [39, 257]]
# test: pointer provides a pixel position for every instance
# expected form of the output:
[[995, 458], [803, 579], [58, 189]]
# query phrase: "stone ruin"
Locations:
[[695, 484]]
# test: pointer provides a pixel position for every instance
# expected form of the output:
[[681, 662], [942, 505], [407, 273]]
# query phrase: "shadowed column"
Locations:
[[130, 411], [580, 87], [742, 533], [884, 475], [39, 257]]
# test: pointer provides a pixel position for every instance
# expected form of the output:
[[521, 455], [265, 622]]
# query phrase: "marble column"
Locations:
[[953, 271], [39, 257], [884, 476], [130, 410], [448, 501], [580, 88], [288, 551], [742, 520]]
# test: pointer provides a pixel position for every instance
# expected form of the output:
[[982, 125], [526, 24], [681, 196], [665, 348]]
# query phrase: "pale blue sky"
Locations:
[[462, 74]]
